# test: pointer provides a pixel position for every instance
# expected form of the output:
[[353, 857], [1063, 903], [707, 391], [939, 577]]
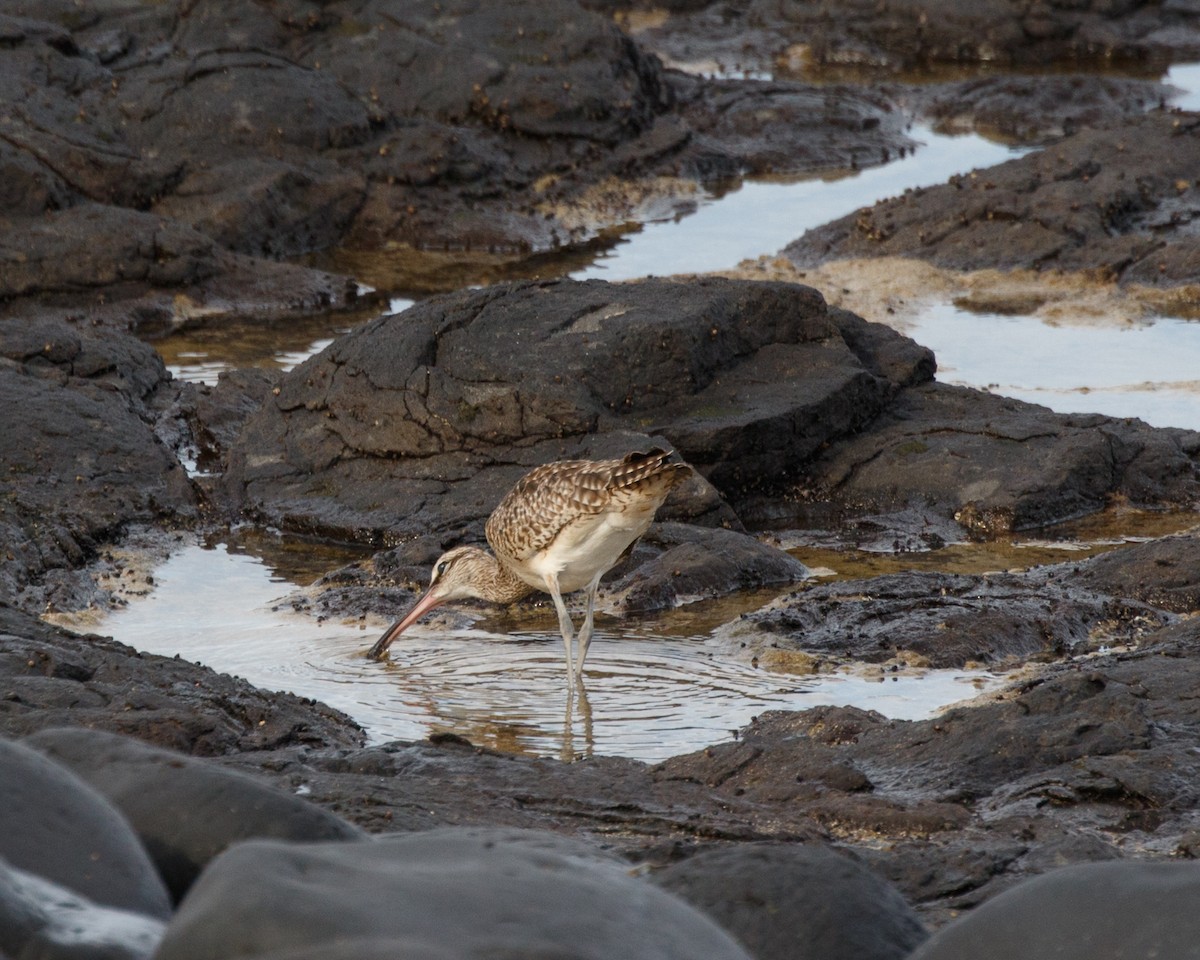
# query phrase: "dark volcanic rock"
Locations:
[[765, 35], [1037, 109], [447, 782], [62, 829], [1120, 201], [749, 128], [419, 423], [696, 563], [797, 902], [52, 678], [422, 421], [1163, 572], [1001, 465], [468, 892], [150, 144], [79, 465], [185, 811], [944, 620], [1098, 911]]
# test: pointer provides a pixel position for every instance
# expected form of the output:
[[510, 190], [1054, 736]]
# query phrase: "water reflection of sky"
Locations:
[[648, 697], [763, 216], [1149, 370]]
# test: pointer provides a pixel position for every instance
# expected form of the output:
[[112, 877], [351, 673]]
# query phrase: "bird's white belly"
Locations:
[[581, 551]]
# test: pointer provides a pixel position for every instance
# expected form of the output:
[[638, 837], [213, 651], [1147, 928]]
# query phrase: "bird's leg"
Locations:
[[585, 632], [564, 623]]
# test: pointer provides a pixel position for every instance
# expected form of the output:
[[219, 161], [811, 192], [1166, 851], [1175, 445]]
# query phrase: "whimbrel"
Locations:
[[560, 529]]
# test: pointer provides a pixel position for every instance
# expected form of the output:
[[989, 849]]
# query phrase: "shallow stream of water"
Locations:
[[659, 688]]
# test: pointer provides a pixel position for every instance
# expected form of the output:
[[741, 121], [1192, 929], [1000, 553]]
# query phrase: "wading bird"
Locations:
[[560, 529]]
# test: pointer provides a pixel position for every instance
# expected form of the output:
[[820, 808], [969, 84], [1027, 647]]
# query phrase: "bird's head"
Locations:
[[456, 576]]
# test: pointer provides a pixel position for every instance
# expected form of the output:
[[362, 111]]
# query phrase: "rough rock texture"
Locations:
[[83, 459], [943, 620], [171, 148], [1163, 572], [744, 380], [185, 811], [419, 423], [1039, 109], [52, 678], [471, 892], [1121, 201], [1002, 464], [797, 902], [793, 36], [755, 129], [693, 563]]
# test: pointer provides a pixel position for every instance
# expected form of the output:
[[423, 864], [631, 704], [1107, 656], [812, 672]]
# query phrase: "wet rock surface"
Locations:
[[55, 678], [160, 160], [941, 620], [1116, 200], [81, 452], [763, 36], [420, 422]]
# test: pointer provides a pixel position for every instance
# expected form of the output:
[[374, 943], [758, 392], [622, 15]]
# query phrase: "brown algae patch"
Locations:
[[894, 290], [614, 202]]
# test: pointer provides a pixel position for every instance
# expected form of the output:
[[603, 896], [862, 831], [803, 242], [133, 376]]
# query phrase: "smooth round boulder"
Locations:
[[59, 828], [186, 810], [41, 920], [471, 891], [1091, 911], [795, 902]]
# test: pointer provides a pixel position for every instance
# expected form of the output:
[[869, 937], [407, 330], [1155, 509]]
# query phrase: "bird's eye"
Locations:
[[441, 567]]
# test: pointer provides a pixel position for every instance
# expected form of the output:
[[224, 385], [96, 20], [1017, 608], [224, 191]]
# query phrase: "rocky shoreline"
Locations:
[[159, 164]]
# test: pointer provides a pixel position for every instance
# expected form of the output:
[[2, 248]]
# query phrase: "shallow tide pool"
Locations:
[[647, 696]]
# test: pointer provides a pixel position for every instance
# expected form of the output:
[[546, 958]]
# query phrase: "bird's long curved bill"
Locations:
[[427, 602]]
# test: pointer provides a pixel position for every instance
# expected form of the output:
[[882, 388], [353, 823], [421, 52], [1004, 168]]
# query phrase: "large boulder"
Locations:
[[797, 902], [418, 424], [1094, 911], [185, 811], [472, 892], [423, 420], [65, 831]]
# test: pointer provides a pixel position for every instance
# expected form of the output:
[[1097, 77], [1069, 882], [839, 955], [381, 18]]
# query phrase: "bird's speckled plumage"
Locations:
[[565, 499], [562, 527]]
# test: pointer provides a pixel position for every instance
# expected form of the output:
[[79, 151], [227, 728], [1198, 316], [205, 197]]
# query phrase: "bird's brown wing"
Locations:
[[554, 496]]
